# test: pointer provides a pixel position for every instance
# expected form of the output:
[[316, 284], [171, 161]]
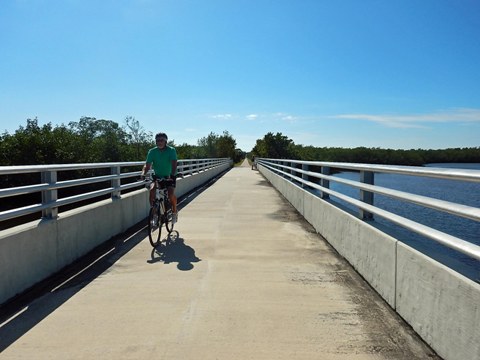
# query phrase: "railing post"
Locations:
[[304, 176], [115, 170], [366, 177], [325, 170], [288, 164], [49, 196]]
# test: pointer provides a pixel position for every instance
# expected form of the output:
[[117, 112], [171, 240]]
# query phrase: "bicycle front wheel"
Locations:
[[154, 226], [168, 217], [168, 221]]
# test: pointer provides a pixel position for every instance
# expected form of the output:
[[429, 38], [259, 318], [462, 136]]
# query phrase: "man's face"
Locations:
[[161, 142]]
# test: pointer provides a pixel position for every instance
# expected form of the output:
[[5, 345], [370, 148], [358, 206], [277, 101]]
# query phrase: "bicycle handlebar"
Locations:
[[162, 182]]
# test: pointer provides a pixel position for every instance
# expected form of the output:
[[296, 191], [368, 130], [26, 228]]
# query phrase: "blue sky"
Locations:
[[395, 74]]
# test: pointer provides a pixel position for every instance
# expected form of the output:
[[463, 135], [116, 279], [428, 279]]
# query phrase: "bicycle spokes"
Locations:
[[154, 226]]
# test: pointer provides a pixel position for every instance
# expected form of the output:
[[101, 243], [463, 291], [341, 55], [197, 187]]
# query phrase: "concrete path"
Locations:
[[247, 279]]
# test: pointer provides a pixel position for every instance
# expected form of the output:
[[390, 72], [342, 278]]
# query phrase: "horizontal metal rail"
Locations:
[[49, 186], [442, 205], [289, 169], [192, 166], [440, 173], [24, 169]]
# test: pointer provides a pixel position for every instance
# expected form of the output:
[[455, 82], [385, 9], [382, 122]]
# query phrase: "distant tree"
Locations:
[[207, 146], [226, 146], [276, 146], [31, 145], [215, 146], [239, 155], [100, 140], [5, 140], [184, 151], [140, 139]]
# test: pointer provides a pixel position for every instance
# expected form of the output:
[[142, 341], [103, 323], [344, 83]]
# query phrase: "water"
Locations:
[[462, 192]]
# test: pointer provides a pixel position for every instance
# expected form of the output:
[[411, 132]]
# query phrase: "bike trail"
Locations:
[[248, 278]]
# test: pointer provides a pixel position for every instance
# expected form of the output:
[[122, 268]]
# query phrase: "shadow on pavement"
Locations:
[[171, 251], [21, 314]]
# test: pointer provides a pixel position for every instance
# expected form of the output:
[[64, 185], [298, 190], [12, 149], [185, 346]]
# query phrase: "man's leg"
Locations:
[[173, 199], [152, 193]]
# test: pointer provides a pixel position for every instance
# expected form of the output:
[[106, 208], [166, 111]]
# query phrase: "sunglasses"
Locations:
[[160, 139]]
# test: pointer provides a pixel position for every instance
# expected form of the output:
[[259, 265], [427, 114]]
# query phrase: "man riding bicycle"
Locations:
[[163, 159]]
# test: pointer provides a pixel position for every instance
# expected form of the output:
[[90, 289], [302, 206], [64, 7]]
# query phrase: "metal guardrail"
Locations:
[[300, 172], [49, 185]]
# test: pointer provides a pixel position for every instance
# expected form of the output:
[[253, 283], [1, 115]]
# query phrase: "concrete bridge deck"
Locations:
[[247, 279]]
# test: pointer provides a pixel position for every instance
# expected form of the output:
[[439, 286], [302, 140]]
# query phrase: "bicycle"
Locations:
[[160, 213]]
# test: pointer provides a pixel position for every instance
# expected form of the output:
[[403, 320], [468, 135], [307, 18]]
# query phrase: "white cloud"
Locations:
[[279, 116], [222, 116], [460, 115], [286, 117], [289, 118]]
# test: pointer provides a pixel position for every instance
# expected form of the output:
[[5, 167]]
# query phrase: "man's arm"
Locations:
[[146, 169], [174, 167]]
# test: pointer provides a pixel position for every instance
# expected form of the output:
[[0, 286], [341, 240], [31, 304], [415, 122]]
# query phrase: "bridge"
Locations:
[[248, 277]]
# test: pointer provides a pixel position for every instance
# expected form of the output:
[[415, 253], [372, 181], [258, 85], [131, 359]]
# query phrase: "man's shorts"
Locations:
[[172, 183]]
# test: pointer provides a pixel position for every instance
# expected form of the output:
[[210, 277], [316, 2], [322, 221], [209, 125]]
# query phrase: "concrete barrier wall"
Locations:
[[31, 252], [442, 306]]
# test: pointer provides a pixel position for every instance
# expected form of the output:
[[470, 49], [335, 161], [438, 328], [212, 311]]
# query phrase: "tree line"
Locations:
[[279, 146], [92, 140]]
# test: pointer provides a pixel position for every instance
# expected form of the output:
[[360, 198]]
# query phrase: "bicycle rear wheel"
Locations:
[[168, 221], [154, 226]]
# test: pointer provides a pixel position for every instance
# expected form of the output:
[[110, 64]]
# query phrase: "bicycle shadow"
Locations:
[[175, 250]]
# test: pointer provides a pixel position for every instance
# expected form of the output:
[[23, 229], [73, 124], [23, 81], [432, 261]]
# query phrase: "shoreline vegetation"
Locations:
[[90, 140], [279, 146]]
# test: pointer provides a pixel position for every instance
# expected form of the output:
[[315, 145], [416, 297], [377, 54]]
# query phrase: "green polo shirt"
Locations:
[[161, 160]]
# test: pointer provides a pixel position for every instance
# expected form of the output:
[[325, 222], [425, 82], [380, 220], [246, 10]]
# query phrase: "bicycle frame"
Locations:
[[160, 213]]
